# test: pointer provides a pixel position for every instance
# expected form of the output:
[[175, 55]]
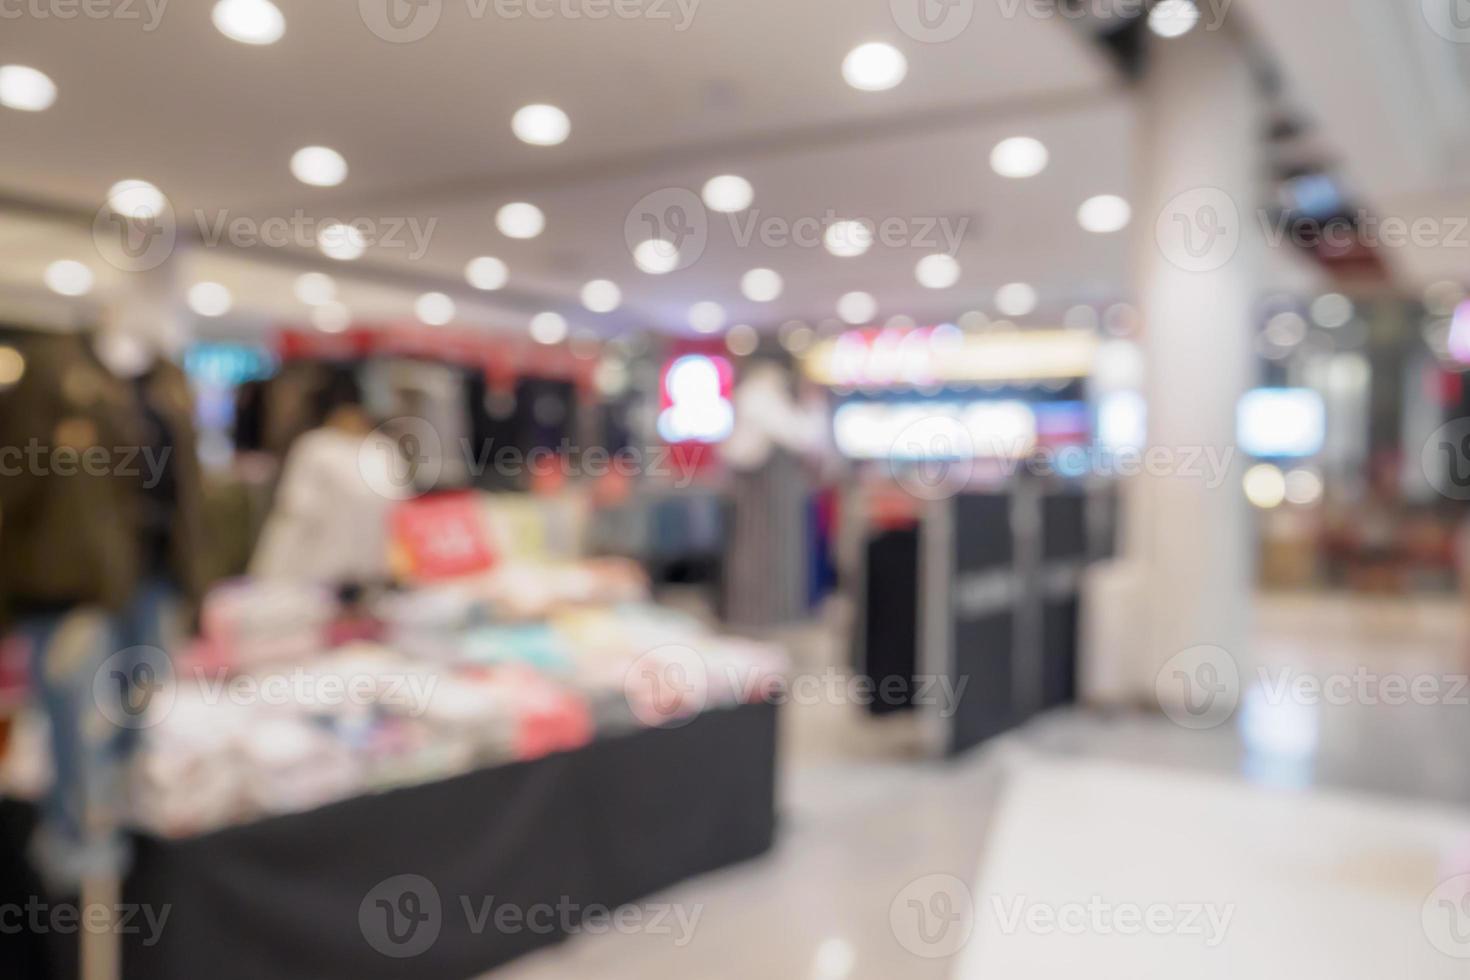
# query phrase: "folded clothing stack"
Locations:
[[429, 622], [249, 621]]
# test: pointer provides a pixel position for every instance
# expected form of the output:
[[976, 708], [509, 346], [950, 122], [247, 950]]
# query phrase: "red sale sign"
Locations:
[[442, 536]]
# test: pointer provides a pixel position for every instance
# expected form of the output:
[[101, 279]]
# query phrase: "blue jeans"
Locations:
[[83, 667]]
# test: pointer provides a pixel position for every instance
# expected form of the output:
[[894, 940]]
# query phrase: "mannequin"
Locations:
[[767, 570]]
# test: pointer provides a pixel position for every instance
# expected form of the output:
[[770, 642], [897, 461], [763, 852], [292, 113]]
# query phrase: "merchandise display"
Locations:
[[294, 698]]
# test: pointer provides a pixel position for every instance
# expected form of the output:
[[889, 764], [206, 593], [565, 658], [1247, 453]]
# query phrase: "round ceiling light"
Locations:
[[1173, 18], [761, 285], [26, 88], [486, 272], [857, 308], [69, 278], [1016, 299], [874, 67], [742, 339], [938, 271], [706, 316], [1104, 214], [520, 220], [656, 256], [1019, 157], [249, 21], [847, 239], [315, 288], [435, 309], [601, 296], [319, 166], [331, 317], [541, 125], [341, 242], [727, 193], [548, 328], [210, 299], [136, 199]]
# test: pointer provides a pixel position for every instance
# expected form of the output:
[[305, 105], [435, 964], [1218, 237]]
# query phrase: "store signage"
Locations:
[[945, 354], [441, 536]]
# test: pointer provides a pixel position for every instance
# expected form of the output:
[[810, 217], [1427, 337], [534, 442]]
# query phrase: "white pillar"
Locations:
[[1199, 264]]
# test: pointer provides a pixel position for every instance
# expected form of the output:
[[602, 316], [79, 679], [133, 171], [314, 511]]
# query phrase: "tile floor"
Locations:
[[863, 818]]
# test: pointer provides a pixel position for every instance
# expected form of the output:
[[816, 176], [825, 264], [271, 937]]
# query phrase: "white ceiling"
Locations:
[[751, 87], [1391, 96]]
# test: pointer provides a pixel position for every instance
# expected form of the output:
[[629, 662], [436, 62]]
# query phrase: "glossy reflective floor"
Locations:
[[868, 830]]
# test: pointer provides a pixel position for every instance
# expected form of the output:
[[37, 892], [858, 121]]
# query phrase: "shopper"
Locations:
[[99, 535], [329, 524]]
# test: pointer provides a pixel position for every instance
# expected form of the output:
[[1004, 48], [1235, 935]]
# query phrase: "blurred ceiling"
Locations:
[[752, 88]]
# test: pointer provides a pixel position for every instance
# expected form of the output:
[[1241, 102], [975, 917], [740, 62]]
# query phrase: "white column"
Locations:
[[1199, 263]]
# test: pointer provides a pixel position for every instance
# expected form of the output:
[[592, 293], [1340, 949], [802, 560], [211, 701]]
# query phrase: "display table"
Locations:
[[294, 896]]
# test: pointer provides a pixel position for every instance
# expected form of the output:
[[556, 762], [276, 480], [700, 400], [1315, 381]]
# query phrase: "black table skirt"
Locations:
[[289, 896]]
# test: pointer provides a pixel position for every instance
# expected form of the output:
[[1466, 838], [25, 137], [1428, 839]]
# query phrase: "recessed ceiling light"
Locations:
[[728, 193], [331, 317], [1016, 299], [857, 308], [601, 295], [706, 316], [1173, 18], [937, 271], [341, 242], [656, 256], [1332, 310], [315, 288], [847, 239], [319, 166], [874, 67], [136, 199], [548, 328], [69, 278], [435, 309], [486, 272], [1104, 214], [26, 88], [541, 125], [1019, 156], [742, 339], [761, 285], [210, 299], [249, 21], [520, 220]]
